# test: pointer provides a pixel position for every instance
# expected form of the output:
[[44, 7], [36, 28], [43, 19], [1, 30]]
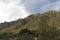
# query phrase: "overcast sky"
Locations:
[[14, 9]]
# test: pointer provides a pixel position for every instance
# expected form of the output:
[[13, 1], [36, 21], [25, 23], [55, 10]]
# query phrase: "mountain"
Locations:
[[32, 22], [41, 26]]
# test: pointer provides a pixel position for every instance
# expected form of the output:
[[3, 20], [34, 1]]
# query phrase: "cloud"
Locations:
[[11, 10], [51, 6], [37, 6]]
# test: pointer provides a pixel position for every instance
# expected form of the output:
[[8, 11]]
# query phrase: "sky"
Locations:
[[11, 10]]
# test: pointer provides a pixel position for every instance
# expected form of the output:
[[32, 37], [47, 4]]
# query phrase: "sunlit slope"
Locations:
[[35, 21]]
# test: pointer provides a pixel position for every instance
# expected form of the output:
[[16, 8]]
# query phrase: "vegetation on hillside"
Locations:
[[44, 26]]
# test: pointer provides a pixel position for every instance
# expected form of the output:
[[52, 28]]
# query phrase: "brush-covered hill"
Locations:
[[32, 22], [42, 26]]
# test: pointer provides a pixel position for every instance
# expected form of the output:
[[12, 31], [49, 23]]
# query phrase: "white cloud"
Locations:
[[51, 6], [14, 9], [11, 10]]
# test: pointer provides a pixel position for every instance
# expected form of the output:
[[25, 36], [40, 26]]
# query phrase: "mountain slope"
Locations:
[[34, 22]]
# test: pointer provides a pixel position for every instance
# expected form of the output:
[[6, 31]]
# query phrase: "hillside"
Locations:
[[42, 26], [32, 22]]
